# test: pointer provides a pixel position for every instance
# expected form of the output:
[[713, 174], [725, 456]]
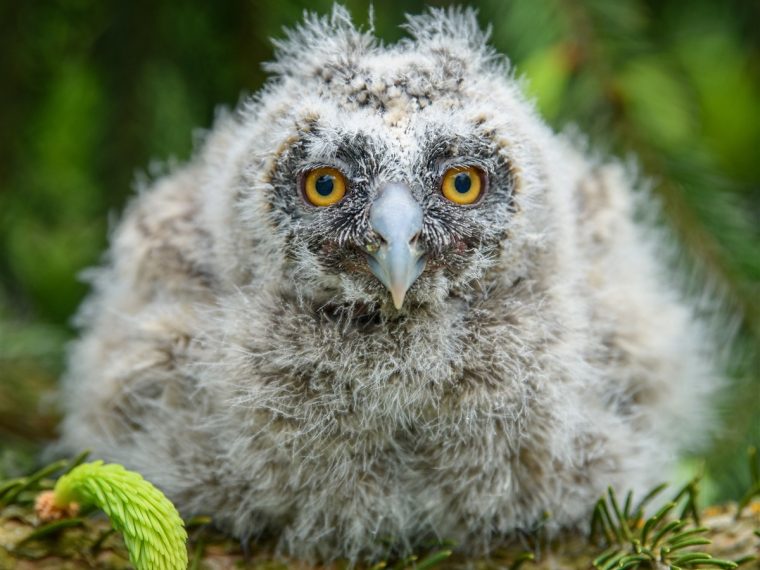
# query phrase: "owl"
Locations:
[[384, 304]]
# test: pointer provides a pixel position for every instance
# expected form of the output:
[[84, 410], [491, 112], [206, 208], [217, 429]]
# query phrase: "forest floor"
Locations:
[[90, 542]]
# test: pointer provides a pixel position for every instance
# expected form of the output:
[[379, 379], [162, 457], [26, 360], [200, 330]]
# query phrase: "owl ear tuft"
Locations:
[[319, 41], [454, 32]]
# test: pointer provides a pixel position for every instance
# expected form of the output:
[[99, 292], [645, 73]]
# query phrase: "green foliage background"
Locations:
[[95, 94]]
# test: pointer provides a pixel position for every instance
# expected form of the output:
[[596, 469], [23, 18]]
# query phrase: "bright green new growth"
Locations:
[[153, 530]]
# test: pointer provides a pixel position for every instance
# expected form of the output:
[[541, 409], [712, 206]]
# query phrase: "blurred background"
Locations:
[[95, 94]]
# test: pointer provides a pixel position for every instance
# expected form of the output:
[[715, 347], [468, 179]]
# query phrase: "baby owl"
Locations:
[[386, 304]]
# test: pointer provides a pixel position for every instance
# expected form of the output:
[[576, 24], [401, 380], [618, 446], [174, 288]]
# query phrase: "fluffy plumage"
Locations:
[[238, 352]]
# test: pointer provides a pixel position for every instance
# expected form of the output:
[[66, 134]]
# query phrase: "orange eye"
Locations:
[[462, 185], [324, 186]]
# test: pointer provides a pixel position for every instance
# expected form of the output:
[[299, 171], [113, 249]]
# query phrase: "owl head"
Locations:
[[382, 176]]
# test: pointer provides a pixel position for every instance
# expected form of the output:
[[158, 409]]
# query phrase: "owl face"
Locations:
[[393, 186]]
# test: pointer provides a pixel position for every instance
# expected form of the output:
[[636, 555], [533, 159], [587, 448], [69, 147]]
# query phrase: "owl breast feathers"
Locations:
[[386, 303]]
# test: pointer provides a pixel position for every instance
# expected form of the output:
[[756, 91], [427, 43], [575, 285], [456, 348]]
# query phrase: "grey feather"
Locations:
[[238, 352]]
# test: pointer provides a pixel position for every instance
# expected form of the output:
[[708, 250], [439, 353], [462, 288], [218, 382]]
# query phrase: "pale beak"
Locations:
[[397, 218]]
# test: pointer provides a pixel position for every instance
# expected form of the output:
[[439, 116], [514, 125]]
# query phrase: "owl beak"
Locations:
[[396, 217]]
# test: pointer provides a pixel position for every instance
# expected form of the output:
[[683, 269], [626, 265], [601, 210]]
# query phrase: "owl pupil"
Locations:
[[324, 185], [462, 182]]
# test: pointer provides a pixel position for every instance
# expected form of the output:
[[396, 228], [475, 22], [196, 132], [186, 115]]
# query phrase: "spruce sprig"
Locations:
[[654, 542], [153, 530]]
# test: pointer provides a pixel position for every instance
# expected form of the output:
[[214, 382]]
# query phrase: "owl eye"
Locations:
[[324, 186], [462, 185]]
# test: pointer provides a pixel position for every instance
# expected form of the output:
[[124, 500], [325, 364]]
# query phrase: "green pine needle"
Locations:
[[153, 530], [634, 542]]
